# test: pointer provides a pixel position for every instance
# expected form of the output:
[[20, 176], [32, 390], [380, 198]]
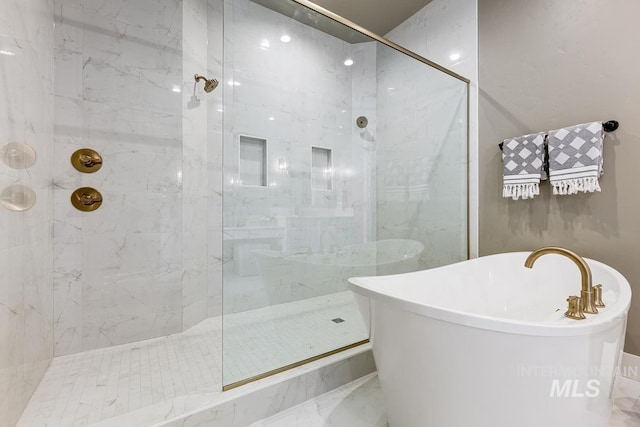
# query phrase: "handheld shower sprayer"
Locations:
[[209, 84]]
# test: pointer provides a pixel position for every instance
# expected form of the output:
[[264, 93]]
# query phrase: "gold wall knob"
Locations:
[[574, 310], [86, 199], [86, 160]]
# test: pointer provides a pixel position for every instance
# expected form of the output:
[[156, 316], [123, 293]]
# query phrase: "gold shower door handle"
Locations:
[[86, 199]]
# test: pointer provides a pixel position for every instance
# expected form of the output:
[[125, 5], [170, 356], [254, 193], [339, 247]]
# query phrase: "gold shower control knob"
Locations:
[[86, 199], [86, 160]]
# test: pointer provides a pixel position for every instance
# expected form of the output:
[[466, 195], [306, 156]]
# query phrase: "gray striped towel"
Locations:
[[575, 158], [523, 160]]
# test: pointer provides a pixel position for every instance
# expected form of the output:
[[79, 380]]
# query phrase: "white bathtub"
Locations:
[[295, 277], [485, 343]]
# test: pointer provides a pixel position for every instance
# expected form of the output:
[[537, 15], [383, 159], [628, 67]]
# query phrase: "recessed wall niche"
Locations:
[[253, 161], [321, 171]]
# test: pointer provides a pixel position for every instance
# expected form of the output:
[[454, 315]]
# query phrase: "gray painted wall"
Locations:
[[547, 64]]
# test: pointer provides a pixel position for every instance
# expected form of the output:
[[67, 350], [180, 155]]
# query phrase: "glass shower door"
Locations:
[[343, 157]]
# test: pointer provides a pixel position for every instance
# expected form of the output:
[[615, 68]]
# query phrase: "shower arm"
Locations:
[[209, 84]]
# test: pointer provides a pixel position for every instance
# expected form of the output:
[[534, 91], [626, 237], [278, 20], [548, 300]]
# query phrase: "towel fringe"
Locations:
[[588, 184], [516, 191]]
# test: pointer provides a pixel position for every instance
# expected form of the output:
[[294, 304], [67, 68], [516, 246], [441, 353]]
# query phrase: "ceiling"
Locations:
[[377, 16]]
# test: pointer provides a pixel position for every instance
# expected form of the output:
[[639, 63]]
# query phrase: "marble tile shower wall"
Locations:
[[202, 163], [422, 150], [26, 246], [119, 77], [296, 95], [360, 177], [214, 159], [194, 170]]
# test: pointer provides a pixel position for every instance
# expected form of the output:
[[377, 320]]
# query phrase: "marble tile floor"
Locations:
[[276, 336], [359, 404], [182, 372]]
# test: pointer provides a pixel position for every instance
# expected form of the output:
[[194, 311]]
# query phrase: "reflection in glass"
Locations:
[[17, 198], [17, 155]]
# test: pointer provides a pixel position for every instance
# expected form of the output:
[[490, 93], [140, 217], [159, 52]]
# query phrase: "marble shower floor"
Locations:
[[359, 404], [183, 372]]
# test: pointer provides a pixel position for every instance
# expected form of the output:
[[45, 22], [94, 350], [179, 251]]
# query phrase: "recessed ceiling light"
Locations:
[[285, 39], [348, 62], [454, 56]]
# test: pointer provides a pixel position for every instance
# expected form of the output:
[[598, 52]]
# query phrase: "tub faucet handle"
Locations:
[[574, 310], [597, 296]]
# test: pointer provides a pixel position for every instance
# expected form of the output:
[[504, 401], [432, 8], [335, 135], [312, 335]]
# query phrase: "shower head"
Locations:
[[209, 84]]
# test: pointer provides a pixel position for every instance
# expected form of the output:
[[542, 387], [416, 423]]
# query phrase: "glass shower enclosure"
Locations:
[[344, 155], [213, 244]]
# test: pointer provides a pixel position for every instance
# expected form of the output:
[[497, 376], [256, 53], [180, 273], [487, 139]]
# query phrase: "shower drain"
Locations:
[[337, 320]]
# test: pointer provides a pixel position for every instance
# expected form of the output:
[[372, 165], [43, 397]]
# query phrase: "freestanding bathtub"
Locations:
[[295, 277], [485, 343]]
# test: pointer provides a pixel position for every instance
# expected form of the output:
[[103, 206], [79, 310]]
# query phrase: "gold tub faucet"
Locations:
[[587, 302]]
